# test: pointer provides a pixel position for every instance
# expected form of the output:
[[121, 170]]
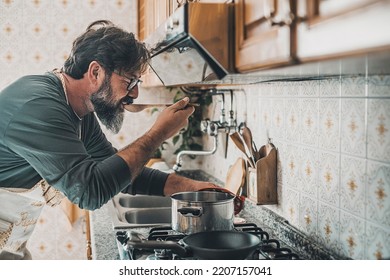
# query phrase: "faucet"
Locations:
[[212, 128]]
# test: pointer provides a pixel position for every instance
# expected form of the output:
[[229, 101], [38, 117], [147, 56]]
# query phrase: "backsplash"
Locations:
[[333, 141]]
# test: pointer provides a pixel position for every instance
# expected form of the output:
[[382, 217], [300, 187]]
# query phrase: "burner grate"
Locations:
[[270, 249]]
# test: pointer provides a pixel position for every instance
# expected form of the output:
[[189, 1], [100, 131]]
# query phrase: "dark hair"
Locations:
[[111, 46]]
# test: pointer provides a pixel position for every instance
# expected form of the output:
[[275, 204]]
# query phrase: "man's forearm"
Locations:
[[139, 152]]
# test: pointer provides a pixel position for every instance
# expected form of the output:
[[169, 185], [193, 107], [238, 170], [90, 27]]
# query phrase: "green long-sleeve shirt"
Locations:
[[40, 138]]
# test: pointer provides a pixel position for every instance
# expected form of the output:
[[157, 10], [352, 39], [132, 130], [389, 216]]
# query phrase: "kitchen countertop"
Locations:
[[104, 245]]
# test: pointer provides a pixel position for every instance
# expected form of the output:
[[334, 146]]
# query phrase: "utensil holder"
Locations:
[[261, 180]]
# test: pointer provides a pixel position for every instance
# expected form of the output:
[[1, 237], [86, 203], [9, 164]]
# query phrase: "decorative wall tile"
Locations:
[[281, 160], [308, 172], [378, 131], [292, 166], [353, 127], [309, 121], [278, 119], [329, 168], [291, 206], [329, 124], [378, 242], [292, 89], [292, 120], [352, 233], [265, 121], [330, 87], [328, 226], [353, 185], [354, 86], [310, 88], [378, 193], [378, 86], [279, 89], [308, 210]]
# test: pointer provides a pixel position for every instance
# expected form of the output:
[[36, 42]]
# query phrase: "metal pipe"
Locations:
[[177, 165]]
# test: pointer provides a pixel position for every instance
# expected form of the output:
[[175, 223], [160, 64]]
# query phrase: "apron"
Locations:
[[19, 213]]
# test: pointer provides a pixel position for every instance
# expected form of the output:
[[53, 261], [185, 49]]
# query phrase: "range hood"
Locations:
[[194, 45]]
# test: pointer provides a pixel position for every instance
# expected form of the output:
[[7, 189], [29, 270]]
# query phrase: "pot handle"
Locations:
[[238, 199], [191, 212]]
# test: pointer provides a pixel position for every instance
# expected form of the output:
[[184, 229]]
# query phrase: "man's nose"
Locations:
[[134, 92]]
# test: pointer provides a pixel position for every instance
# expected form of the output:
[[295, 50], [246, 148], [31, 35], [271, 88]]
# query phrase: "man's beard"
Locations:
[[111, 114]]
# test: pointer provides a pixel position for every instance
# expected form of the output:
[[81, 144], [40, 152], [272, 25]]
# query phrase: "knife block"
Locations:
[[261, 180]]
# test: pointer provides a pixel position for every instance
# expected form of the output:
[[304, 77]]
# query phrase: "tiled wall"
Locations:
[[333, 139], [36, 36]]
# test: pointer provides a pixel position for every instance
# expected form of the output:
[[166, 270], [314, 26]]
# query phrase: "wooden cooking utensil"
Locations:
[[235, 177], [241, 146], [247, 136], [134, 108]]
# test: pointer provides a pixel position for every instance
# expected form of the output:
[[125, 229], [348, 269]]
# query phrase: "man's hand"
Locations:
[[172, 119], [168, 123], [176, 183]]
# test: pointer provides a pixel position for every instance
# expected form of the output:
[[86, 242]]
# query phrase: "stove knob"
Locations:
[[122, 237]]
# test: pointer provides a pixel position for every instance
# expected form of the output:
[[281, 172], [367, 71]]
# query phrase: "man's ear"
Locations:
[[95, 73]]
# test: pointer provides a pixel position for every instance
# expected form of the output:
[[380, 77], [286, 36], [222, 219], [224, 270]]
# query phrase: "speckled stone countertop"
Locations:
[[104, 245]]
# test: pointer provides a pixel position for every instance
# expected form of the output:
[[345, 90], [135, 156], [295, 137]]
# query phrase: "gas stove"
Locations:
[[136, 246]]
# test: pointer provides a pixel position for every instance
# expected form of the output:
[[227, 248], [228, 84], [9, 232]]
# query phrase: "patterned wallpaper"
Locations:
[[36, 36]]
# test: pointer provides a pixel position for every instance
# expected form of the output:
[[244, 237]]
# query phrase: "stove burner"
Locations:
[[270, 249]]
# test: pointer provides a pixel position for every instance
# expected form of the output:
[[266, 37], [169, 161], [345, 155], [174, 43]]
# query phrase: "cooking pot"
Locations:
[[194, 212], [214, 245]]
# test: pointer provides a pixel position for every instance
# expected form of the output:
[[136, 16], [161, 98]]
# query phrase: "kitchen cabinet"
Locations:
[[265, 34], [151, 14], [333, 28], [271, 33]]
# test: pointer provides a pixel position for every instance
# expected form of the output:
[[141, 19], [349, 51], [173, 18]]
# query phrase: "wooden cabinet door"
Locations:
[[151, 14], [334, 28], [265, 34]]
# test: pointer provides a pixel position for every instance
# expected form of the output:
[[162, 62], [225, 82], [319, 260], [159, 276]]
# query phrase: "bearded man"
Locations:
[[51, 143]]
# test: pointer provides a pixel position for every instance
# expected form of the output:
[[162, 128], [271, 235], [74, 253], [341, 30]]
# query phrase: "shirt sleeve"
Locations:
[[45, 134], [150, 182]]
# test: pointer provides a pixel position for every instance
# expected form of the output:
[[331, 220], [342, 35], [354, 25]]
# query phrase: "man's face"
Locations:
[[109, 111]]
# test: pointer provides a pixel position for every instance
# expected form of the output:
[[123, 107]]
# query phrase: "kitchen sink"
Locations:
[[132, 211], [149, 216], [144, 201]]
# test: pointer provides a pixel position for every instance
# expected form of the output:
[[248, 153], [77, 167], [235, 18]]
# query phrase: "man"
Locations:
[[52, 146]]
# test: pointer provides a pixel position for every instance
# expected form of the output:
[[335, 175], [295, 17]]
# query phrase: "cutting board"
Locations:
[[235, 177]]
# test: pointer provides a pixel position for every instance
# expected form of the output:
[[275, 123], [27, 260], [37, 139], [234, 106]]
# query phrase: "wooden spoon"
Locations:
[[235, 177], [247, 136], [134, 108], [241, 146]]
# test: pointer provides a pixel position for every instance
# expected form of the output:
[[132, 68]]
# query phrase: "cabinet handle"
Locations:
[[286, 19]]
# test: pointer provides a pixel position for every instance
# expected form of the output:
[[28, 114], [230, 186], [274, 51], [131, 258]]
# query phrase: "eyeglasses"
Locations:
[[131, 82]]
